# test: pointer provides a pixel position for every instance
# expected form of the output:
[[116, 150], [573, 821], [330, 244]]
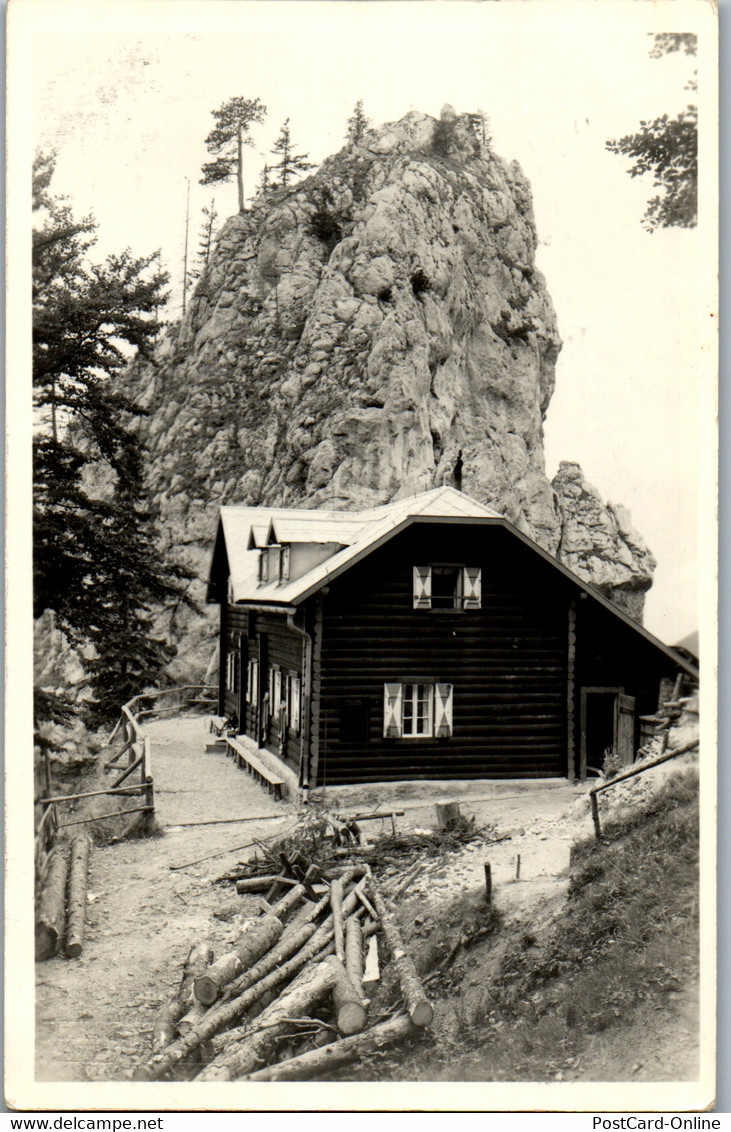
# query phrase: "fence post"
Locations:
[[148, 781], [595, 815]]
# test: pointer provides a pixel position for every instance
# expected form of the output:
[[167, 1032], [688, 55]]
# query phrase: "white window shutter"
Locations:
[[422, 587], [443, 710], [392, 725], [284, 564], [294, 703], [277, 699], [472, 587]]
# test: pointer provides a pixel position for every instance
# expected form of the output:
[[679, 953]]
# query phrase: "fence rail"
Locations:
[[631, 773], [138, 749]]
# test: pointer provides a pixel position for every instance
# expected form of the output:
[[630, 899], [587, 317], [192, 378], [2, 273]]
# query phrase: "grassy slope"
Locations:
[[589, 994]]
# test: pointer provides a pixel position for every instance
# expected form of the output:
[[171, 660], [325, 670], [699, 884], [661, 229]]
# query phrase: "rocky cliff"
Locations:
[[375, 330]]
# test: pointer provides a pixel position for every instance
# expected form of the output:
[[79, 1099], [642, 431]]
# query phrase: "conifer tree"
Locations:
[[227, 139], [290, 163], [358, 123], [95, 562]]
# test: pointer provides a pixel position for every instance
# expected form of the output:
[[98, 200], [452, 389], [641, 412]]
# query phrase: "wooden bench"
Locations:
[[256, 767], [217, 724]]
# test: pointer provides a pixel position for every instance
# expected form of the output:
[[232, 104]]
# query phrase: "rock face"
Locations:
[[600, 544], [373, 331]]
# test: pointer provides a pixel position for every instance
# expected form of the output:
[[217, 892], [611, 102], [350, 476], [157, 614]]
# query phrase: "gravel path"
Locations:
[[95, 1013]]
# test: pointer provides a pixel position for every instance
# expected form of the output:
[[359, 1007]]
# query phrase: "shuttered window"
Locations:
[[392, 723], [278, 690], [422, 587], [412, 711], [447, 587], [472, 587], [293, 698], [252, 683], [232, 672], [263, 566], [284, 564]]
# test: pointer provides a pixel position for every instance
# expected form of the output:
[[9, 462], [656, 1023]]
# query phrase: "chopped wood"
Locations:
[[354, 955], [350, 1013], [292, 952], [316, 1062], [367, 905], [336, 903], [168, 1020], [287, 902], [417, 1005], [297, 1001], [255, 884], [372, 973], [78, 874], [256, 940], [51, 914]]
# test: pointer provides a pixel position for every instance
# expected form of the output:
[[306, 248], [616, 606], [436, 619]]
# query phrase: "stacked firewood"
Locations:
[[61, 905], [290, 1000]]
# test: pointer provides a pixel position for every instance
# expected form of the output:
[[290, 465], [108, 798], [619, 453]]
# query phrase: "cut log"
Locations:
[[372, 975], [417, 1005], [354, 955], [51, 915], [257, 939], [297, 1001], [167, 1023], [288, 901], [350, 1013], [164, 1028], [255, 884], [336, 903], [78, 873], [446, 813], [292, 952], [317, 1062], [190, 1020]]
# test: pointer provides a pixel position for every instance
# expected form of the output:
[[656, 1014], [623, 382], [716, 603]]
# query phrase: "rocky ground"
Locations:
[[95, 1013]]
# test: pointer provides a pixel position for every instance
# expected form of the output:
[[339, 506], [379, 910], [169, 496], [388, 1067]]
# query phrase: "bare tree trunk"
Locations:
[[298, 1001], [350, 1012], [258, 938], [316, 1062], [80, 848], [51, 916], [418, 1006]]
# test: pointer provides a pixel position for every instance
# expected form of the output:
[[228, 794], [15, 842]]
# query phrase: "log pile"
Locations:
[[288, 1001], [61, 906]]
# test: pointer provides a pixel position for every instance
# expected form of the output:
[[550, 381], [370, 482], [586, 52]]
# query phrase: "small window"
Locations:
[[293, 701], [263, 567], [232, 672], [414, 711], [417, 718], [284, 564], [447, 587], [355, 721]]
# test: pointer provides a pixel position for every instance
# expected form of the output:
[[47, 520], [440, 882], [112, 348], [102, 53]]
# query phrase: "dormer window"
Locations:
[[263, 567], [447, 587], [284, 564]]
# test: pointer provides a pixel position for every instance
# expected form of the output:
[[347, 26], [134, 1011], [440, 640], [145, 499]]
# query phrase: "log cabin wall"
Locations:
[[610, 655], [235, 621], [283, 649], [507, 661]]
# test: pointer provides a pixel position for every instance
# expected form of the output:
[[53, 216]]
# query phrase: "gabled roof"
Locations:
[[359, 533]]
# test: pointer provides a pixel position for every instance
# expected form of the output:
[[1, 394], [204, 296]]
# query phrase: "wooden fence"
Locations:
[[631, 773], [136, 778]]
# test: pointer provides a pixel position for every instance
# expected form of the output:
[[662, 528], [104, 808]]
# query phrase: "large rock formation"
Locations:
[[373, 331]]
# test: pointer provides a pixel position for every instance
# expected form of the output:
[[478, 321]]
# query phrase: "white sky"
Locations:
[[125, 93]]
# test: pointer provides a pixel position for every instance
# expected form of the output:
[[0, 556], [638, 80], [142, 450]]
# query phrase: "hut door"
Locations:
[[624, 728]]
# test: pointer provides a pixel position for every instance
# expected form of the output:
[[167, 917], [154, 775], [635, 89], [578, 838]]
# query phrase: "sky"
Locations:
[[124, 93]]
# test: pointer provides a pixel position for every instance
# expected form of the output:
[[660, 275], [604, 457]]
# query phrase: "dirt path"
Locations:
[[95, 1013]]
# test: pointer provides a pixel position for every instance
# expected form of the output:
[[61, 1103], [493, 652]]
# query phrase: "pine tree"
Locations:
[[290, 163], [95, 563], [227, 140], [205, 242], [358, 123]]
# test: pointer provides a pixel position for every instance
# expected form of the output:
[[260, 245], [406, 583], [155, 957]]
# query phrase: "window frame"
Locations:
[[468, 590], [410, 694]]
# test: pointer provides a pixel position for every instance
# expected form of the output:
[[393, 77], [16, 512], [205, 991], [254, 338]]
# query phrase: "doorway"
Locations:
[[607, 724]]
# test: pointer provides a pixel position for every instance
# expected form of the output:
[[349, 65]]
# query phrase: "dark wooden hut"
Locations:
[[425, 639]]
